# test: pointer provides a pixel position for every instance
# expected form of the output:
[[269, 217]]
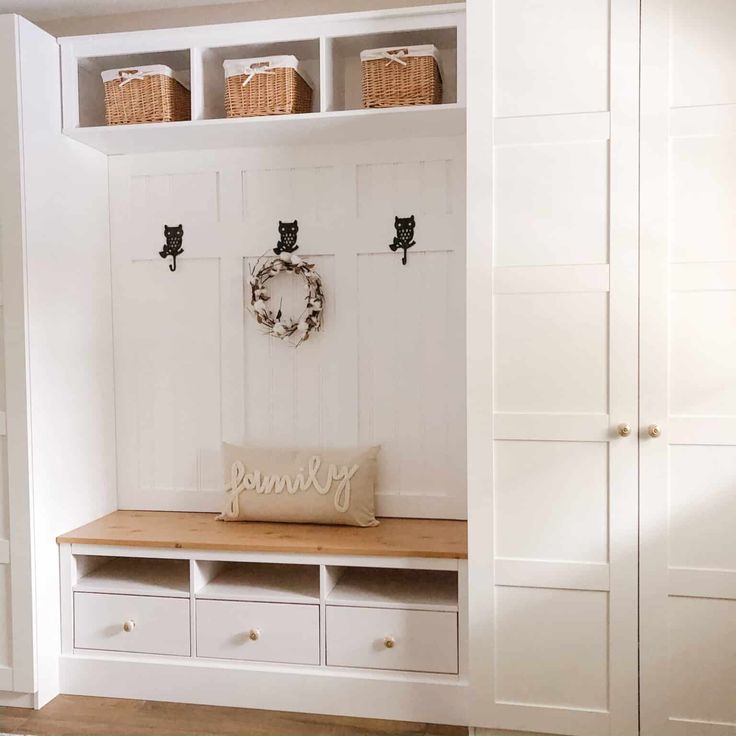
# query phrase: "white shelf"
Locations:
[[264, 583], [132, 576], [349, 126], [434, 590]]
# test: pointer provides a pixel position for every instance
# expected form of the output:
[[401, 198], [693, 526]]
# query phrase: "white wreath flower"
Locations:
[[310, 320]]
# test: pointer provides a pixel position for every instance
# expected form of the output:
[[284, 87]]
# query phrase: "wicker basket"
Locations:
[[408, 75], [146, 94], [269, 85]]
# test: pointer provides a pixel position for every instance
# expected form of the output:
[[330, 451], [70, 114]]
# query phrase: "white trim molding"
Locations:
[[17, 700], [4, 551], [6, 679]]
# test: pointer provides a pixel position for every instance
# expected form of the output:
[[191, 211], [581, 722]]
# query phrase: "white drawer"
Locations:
[[419, 641], [157, 625], [263, 632]]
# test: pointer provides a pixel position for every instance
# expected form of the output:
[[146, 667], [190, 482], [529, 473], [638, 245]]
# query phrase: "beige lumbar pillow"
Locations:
[[333, 486]]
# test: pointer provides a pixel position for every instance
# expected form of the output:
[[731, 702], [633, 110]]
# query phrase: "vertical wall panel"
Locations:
[[409, 379], [169, 374], [194, 367], [292, 394]]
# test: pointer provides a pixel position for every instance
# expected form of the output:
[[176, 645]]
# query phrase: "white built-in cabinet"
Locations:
[[601, 369], [558, 130], [56, 355], [586, 335]]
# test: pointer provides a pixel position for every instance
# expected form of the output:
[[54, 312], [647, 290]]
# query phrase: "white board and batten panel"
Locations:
[[688, 316], [561, 567], [193, 368]]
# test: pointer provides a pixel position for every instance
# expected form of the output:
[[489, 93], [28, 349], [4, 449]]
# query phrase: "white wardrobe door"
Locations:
[[559, 626], [688, 359]]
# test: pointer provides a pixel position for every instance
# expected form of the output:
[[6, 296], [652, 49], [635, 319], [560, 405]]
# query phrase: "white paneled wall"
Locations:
[[688, 298], [192, 367], [557, 632]]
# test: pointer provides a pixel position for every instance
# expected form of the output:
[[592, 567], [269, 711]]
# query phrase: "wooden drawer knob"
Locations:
[[389, 642], [129, 625], [254, 634]]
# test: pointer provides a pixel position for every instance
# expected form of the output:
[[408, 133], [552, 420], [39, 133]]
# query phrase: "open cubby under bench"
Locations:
[[180, 606]]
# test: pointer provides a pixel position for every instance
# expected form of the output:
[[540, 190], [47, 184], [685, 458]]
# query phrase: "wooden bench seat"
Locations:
[[435, 538]]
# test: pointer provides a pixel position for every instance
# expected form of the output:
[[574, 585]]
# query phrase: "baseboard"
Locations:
[[17, 700], [472, 731], [203, 683], [6, 679]]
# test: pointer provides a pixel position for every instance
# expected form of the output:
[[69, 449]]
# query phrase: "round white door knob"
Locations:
[[624, 430], [254, 634], [654, 430], [129, 625], [389, 642]]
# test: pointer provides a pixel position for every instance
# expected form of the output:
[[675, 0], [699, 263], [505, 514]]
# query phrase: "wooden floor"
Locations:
[[76, 716]]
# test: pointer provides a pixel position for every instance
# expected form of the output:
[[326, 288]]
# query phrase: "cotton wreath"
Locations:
[[277, 324]]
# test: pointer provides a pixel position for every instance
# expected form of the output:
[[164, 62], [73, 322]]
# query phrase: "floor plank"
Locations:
[[70, 715]]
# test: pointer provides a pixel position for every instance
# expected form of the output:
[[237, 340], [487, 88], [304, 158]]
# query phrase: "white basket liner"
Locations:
[[112, 75], [386, 53], [238, 67]]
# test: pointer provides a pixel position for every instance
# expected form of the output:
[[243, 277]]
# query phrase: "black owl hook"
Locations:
[[287, 237], [404, 238], [174, 239]]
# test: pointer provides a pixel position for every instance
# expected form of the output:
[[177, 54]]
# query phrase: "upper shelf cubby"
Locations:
[[328, 49], [343, 58], [213, 77], [89, 78]]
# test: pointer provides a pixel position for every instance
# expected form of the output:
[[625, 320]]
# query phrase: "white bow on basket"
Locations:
[[398, 56], [130, 75], [251, 71]]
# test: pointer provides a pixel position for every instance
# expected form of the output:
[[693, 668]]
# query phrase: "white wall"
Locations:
[[192, 367], [230, 13]]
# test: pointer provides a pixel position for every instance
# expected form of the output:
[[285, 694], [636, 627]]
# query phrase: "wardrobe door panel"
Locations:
[[556, 633], [552, 500], [537, 627], [551, 203], [552, 352], [702, 507], [542, 48], [703, 63], [688, 351], [703, 219], [702, 634]]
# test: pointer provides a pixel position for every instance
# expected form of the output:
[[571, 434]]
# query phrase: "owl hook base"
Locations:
[[287, 237], [404, 238], [174, 239]]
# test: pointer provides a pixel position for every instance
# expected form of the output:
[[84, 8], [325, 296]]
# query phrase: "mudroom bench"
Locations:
[[281, 616]]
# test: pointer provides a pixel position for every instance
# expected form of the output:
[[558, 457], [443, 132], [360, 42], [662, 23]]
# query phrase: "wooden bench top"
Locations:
[[185, 530]]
